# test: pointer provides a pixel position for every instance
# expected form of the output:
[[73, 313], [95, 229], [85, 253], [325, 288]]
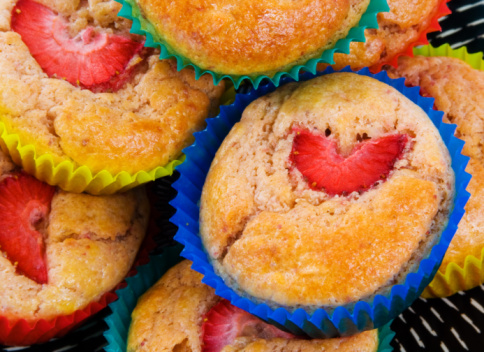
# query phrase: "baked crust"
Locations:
[[169, 318], [273, 238], [397, 29], [91, 243], [143, 125], [252, 37], [457, 89]]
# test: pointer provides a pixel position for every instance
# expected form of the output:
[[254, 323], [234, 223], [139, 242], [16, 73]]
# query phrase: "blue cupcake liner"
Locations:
[[141, 26], [321, 324], [119, 320]]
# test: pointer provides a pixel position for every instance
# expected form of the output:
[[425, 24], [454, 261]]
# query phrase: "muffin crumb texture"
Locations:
[[458, 90], [275, 238], [169, 316]]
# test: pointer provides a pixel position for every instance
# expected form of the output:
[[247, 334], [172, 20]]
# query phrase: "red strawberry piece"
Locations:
[[90, 59], [324, 168], [24, 205], [225, 322]]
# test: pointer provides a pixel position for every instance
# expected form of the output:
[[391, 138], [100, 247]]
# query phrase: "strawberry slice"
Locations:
[[24, 205], [90, 59], [224, 323], [319, 161]]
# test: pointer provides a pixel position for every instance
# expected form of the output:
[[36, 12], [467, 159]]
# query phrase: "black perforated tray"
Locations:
[[453, 324]]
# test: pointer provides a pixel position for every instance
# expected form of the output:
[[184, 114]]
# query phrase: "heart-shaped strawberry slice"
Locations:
[[317, 158], [225, 322], [94, 60], [24, 205]]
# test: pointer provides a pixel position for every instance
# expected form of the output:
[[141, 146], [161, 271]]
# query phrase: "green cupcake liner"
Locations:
[[120, 319], [385, 337], [141, 26]]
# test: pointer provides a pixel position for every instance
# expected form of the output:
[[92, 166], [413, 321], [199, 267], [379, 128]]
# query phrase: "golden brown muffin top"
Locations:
[[91, 243], [143, 125], [169, 318], [458, 90], [397, 29], [274, 238], [252, 37]]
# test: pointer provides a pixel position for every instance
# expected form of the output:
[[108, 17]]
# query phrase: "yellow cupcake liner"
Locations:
[[475, 60], [470, 273], [457, 278], [72, 177]]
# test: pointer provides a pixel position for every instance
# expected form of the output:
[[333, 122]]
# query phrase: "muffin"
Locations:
[[79, 87], [61, 251], [404, 26], [326, 193], [248, 37], [457, 89], [179, 313]]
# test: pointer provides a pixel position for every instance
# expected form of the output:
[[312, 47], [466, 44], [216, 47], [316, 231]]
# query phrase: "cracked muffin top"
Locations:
[[406, 22], [61, 251], [325, 193], [179, 313], [457, 89], [77, 85], [251, 37]]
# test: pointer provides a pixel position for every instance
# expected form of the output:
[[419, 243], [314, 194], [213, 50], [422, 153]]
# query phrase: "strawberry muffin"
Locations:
[[326, 193], [458, 90], [398, 30], [78, 86], [179, 313], [250, 37], [61, 251]]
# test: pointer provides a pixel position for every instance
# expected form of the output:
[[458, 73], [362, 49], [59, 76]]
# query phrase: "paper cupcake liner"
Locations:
[[69, 175], [475, 60], [385, 337], [141, 26], [21, 332], [120, 319], [72, 177], [442, 10], [341, 321], [469, 273]]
